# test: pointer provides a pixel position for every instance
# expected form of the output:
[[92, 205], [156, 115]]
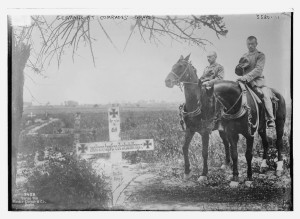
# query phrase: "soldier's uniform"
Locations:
[[212, 73], [251, 67]]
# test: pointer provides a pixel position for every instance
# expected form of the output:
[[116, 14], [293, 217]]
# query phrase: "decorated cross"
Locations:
[[115, 146], [113, 112], [82, 148], [147, 144], [118, 146]]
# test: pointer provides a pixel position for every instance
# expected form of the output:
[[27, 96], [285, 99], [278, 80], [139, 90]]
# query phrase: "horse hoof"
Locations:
[[279, 165], [187, 176], [202, 179], [262, 176], [279, 173], [263, 169], [234, 184], [263, 166], [249, 184], [223, 167]]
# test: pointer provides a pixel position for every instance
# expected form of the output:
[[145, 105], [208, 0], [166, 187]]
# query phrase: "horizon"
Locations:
[[147, 102]]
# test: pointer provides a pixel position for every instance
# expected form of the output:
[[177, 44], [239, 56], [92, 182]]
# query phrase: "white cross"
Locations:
[[115, 146], [31, 115]]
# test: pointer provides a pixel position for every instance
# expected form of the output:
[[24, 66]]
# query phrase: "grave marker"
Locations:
[[115, 156], [115, 146]]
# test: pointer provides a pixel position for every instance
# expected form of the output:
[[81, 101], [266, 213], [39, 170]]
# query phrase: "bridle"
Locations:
[[178, 81]]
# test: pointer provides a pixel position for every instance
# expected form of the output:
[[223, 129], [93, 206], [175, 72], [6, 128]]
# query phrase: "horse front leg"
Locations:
[[205, 141], [265, 143], [227, 152], [249, 156], [188, 137], [233, 139]]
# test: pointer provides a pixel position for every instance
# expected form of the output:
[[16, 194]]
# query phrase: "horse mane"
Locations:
[[230, 88], [221, 85], [209, 105]]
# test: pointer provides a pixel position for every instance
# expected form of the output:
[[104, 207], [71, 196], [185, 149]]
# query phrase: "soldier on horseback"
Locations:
[[213, 72], [250, 68]]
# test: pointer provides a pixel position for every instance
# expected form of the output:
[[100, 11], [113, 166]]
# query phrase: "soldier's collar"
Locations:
[[213, 64], [255, 51]]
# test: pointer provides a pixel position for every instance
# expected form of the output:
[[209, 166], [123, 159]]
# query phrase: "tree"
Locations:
[[61, 32], [20, 53]]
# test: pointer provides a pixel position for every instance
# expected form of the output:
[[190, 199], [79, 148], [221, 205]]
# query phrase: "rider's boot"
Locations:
[[269, 107]]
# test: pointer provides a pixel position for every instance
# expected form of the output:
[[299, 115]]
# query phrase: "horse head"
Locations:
[[197, 97], [182, 72]]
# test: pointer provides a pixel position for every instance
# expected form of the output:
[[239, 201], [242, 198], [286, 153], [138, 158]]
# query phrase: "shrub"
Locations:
[[66, 183], [31, 144]]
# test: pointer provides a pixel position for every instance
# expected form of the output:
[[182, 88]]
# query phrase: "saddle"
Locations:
[[258, 97], [253, 94], [246, 109]]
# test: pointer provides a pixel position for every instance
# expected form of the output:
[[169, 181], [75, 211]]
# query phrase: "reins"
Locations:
[[242, 110], [227, 112]]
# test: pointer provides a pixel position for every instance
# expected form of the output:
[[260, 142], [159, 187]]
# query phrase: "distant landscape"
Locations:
[[103, 107], [98, 108]]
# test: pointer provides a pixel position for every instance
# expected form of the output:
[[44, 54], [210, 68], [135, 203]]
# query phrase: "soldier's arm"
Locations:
[[203, 76], [219, 75], [257, 71]]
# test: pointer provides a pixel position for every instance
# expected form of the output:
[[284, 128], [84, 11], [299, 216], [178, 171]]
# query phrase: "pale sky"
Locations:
[[139, 72]]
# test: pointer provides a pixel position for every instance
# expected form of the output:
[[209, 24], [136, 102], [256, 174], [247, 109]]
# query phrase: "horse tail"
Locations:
[[281, 111], [280, 121]]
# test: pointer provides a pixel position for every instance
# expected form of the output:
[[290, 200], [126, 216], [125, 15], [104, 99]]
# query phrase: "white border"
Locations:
[[141, 7]]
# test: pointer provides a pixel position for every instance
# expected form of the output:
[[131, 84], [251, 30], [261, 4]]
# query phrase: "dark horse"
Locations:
[[243, 116], [195, 120]]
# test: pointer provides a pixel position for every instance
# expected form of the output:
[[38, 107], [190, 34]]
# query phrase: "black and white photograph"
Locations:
[[187, 112]]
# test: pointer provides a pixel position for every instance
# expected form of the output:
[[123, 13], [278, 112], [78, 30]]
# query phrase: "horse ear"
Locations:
[[187, 58], [181, 57]]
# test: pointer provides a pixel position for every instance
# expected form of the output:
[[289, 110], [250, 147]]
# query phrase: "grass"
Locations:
[[163, 126]]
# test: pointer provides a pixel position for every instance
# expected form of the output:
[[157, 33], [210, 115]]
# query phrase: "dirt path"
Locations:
[[157, 194], [32, 130], [146, 188]]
